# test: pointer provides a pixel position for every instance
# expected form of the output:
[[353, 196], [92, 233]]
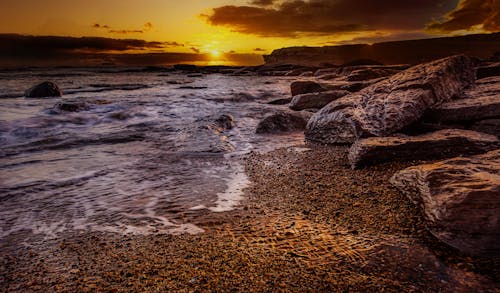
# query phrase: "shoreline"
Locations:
[[307, 222]]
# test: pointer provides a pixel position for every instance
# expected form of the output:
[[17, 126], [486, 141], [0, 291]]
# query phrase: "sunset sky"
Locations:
[[233, 31]]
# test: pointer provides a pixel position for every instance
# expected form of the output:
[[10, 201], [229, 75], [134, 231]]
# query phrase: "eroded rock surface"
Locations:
[[305, 87], [436, 145], [391, 104], [283, 122], [460, 199], [315, 100]]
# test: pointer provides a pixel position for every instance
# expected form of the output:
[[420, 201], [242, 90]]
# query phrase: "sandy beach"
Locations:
[[308, 223]]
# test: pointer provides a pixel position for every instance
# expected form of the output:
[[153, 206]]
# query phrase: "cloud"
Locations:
[[259, 50], [262, 2], [196, 50], [291, 18], [470, 14], [21, 50], [22, 45], [145, 28]]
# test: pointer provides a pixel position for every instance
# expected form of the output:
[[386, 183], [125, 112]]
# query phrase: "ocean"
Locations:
[[142, 154]]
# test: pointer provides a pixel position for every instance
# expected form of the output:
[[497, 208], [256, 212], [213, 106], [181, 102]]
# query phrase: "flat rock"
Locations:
[[391, 104], [482, 101], [315, 100], [44, 89], [460, 200], [305, 87], [283, 122], [441, 144]]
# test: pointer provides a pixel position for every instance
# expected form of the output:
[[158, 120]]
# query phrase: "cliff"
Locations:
[[400, 52]]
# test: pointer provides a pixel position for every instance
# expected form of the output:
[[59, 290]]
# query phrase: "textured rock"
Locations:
[[460, 199], [44, 89], [315, 100], [305, 87], [370, 73], [488, 70], [71, 106], [490, 126], [479, 102], [392, 104], [437, 145], [283, 122]]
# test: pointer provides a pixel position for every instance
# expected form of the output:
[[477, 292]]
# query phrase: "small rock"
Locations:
[[44, 89], [283, 122]]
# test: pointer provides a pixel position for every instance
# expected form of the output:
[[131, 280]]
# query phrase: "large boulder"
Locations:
[[477, 103], [460, 199], [283, 122], [392, 104], [305, 87], [44, 89], [370, 73], [315, 100], [436, 145]]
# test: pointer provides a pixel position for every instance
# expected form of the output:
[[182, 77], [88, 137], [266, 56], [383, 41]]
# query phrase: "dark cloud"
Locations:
[[21, 50], [196, 50], [145, 28], [262, 2], [259, 50], [321, 17], [470, 13], [100, 26]]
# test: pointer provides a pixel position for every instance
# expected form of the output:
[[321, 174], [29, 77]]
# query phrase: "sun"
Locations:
[[214, 53]]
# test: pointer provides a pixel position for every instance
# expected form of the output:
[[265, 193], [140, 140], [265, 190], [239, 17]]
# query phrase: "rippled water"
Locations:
[[144, 157]]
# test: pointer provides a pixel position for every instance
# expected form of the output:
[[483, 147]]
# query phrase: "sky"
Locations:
[[223, 31]]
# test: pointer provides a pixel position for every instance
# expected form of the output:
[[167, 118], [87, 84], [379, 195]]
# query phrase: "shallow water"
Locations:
[[143, 157]]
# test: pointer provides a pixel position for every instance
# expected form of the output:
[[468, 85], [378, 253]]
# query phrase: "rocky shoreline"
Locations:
[[394, 191], [309, 222]]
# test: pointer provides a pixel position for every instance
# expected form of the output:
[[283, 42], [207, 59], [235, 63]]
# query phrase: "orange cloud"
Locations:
[[145, 28], [469, 14], [291, 18]]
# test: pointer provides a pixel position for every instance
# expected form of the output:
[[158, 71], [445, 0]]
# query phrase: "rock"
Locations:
[[460, 199], [370, 73], [392, 104], [307, 74], [225, 122], [280, 101], [490, 126], [326, 71], [44, 89], [283, 122], [315, 100], [71, 106], [488, 70], [185, 67], [480, 102], [305, 87], [441, 144]]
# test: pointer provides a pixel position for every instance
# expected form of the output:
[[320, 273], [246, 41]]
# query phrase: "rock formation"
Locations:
[[392, 104], [283, 121], [315, 100], [460, 199], [437, 145]]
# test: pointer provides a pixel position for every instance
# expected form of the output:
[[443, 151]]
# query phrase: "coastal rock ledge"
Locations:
[[460, 199], [392, 104], [443, 144]]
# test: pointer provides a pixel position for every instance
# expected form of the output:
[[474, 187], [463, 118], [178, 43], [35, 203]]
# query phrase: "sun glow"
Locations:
[[215, 53]]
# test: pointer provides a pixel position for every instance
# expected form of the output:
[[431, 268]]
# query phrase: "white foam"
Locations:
[[227, 200]]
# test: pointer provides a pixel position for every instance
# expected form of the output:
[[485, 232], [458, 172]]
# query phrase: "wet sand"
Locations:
[[306, 223]]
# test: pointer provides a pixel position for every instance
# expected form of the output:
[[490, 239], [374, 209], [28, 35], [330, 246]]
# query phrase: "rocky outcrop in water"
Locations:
[[44, 89], [315, 100], [283, 122], [460, 200], [437, 145], [391, 104]]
